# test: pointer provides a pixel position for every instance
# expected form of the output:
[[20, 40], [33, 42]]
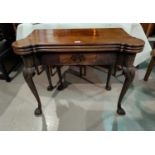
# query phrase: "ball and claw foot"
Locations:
[[120, 111], [108, 87], [49, 88], [61, 87], [38, 112]]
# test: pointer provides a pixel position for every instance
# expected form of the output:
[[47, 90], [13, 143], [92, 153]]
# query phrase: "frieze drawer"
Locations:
[[77, 58]]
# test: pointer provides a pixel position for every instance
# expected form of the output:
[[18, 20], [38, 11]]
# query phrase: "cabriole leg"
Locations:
[[108, 85], [61, 84], [129, 73], [50, 87], [28, 74], [149, 69]]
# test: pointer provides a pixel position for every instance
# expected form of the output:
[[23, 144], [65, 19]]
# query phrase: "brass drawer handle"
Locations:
[[77, 58]]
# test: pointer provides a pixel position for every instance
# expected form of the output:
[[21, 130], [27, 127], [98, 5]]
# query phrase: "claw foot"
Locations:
[[108, 87], [60, 87], [38, 112], [120, 111], [49, 88]]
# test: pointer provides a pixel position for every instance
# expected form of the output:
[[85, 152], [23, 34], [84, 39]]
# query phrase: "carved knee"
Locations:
[[28, 73], [129, 73]]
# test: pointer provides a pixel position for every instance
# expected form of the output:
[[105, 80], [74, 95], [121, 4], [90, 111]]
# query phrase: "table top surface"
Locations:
[[75, 38]]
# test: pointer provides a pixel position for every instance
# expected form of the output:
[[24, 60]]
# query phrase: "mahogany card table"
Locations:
[[111, 47]]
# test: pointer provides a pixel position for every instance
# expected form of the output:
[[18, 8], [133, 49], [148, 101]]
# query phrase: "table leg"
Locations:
[[84, 70], [149, 69], [50, 87], [108, 85], [80, 71], [115, 70], [61, 84], [129, 73], [28, 74]]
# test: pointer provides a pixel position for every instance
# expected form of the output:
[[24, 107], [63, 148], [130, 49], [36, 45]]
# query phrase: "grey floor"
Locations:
[[83, 105]]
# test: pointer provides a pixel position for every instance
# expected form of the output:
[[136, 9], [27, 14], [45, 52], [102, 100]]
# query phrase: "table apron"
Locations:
[[78, 59]]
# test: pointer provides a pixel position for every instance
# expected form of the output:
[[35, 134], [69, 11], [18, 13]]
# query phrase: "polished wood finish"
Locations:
[[77, 58], [57, 47], [76, 40]]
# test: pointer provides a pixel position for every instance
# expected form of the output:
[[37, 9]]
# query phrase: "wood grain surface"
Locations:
[[74, 40]]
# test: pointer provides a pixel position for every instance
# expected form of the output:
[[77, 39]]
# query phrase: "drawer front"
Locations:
[[79, 58], [83, 59]]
